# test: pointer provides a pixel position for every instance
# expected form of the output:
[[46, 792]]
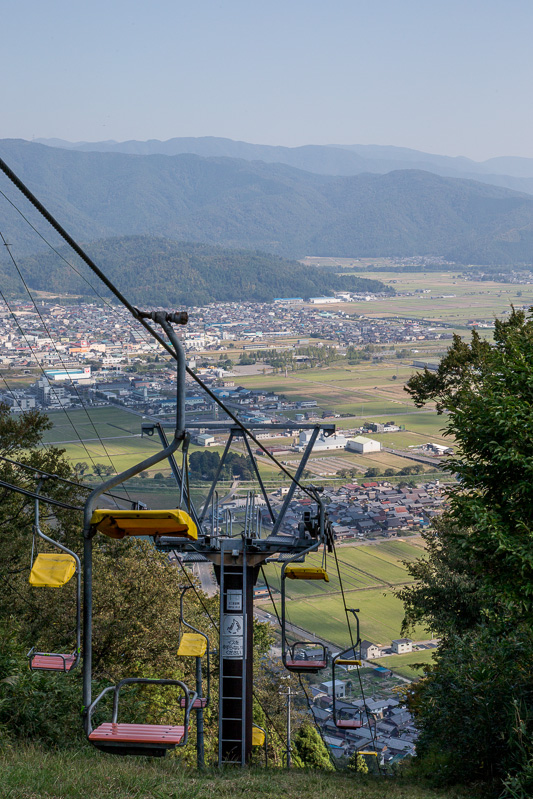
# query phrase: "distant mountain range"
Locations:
[[333, 159], [272, 207]]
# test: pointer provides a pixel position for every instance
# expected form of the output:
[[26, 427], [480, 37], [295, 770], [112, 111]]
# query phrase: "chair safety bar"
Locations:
[[190, 698], [65, 662]]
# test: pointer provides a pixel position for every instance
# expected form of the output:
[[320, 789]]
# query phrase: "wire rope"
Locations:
[[107, 455], [33, 495], [40, 367], [56, 477], [368, 714], [315, 722], [135, 312]]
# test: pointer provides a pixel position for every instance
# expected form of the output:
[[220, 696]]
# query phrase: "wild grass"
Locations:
[[30, 773]]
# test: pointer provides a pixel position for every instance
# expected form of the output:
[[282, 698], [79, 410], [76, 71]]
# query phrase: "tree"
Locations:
[[486, 390], [311, 749], [372, 472], [476, 588]]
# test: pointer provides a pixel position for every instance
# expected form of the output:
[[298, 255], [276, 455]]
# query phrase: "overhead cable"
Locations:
[[134, 311]]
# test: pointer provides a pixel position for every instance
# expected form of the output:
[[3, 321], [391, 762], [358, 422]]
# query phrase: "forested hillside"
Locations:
[[271, 207], [180, 273]]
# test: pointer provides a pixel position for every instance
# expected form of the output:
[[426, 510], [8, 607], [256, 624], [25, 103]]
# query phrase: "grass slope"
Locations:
[[29, 773]]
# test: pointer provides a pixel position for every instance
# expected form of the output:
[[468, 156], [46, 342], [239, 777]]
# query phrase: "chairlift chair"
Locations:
[[289, 654], [114, 737], [195, 644], [341, 719], [53, 570], [154, 740]]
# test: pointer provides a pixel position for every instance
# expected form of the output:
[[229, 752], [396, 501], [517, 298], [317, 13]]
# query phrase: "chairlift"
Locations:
[[153, 740], [123, 738], [341, 717], [260, 738], [53, 570], [296, 657], [195, 644]]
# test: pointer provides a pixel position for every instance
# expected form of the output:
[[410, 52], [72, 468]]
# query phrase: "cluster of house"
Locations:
[[386, 727], [54, 332], [372, 509]]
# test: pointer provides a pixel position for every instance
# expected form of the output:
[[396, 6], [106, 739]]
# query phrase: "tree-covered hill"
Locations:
[[160, 271], [271, 207]]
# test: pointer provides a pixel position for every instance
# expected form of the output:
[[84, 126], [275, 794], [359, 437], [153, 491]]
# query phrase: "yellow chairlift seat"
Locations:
[[121, 523], [52, 570], [306, 573], [192, 645], [347, 662], [258, 737]]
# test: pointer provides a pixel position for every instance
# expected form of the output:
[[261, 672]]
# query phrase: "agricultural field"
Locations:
[[380, 614], [450, 296], [369, 573], [404, 665]]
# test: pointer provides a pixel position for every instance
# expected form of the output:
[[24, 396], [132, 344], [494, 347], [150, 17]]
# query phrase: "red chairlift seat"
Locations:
[[307, 666], [152, 740], [44, 662], [198, 704], [348, 724], [137, 739]]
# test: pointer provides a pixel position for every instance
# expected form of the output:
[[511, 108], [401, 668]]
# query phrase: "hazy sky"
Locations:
[[445, 76]]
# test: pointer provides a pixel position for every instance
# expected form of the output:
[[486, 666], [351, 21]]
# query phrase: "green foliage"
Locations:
[[310, 748], [486, 391], [170, 272], [35, 706], [474, 708], [358, 764], [203, 465], [475, 704]]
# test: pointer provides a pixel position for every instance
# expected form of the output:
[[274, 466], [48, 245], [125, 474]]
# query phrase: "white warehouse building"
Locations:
[[362, 444], [335, 441]]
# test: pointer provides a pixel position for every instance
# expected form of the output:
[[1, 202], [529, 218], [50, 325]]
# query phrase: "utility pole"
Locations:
[[288, 751]]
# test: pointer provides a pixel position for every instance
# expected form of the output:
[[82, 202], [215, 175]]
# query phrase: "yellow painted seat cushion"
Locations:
[[192, 645], [120, 523], [306, 573], [52, 569], [258, 737]]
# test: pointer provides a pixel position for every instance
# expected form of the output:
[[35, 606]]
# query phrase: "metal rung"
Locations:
[[232, 740], [232, 697], [229, 718]]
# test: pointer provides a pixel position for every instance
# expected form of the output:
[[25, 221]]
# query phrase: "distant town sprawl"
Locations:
[[65, 338]]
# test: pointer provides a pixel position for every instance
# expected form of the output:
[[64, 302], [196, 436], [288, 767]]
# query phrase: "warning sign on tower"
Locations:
[[232, 637]]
